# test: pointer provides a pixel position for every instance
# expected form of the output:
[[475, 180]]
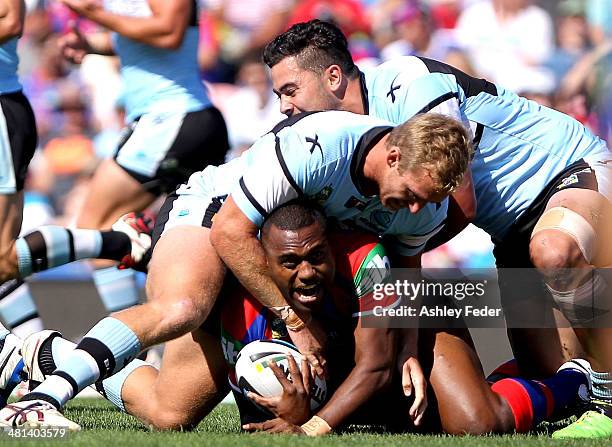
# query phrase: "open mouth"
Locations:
[[308, 294]]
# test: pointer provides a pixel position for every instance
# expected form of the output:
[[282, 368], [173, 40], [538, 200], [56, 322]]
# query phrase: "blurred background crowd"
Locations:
[[558, 53]]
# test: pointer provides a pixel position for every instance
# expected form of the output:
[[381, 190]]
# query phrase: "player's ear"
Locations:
[[334, 77], [393, 157]]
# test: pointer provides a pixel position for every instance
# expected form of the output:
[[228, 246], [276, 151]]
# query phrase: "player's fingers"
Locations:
[[419, 384], [318, 365], [280, 375], [253, 426], [267, 402], [295, 373], [406, 379], [306, 375]]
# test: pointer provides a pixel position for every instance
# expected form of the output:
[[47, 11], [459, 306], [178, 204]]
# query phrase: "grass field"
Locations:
[[104, 426]]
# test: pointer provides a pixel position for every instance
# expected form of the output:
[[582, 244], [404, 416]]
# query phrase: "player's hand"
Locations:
[[74, 45], [294, 404], [83, 7], [277, 425], [414, 383], [310, 341]]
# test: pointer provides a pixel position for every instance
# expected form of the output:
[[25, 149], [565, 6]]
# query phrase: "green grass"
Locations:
[[104, 426]]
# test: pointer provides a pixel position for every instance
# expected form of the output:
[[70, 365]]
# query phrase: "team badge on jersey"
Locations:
[[322, 196]]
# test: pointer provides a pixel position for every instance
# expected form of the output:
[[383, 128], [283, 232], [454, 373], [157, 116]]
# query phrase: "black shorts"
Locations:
[[18, 140], [162, 151], [513, 250]]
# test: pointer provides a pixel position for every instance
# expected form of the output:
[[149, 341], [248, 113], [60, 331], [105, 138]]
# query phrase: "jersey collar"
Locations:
[[365, 144], [364, 93]]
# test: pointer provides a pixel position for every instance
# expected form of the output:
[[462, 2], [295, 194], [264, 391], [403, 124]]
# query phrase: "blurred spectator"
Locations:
[[586, 91], [506, 39], [70, 153], [42, 86], [253, 109], [246, 25], [364, 51], [349, 15], [416, 33], [572, 37], [599, 16]]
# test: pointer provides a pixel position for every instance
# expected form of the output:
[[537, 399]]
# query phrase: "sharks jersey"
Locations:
[[9, 62], [157, 79], [520, 146], [316, 156]]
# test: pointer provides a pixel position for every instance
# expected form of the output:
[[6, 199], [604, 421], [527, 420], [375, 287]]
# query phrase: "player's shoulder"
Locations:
[[332, 134], [405, 67], [352, 248]]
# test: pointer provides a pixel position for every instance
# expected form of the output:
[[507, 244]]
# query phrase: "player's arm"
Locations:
[[234, 237], [413, 380], [461, 212], [164, 28], [12, 15], [375, 351]]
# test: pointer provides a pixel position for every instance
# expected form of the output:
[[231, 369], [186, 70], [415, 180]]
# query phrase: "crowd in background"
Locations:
[[558, 53]]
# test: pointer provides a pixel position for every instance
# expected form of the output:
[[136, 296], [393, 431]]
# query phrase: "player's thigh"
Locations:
[[185, 266], [11, 212], [464, 399], [191, 381], [112, 193]]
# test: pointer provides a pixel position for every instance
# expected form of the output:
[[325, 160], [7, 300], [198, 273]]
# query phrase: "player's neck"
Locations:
[[353, 100], [373, 167]]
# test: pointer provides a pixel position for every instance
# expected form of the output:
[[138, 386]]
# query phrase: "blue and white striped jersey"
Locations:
[[520, 145], [9, 62], [319, 156], [157, 79]]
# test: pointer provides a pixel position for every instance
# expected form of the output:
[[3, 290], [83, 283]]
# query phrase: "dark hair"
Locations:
[[294, 215], [316, 45]]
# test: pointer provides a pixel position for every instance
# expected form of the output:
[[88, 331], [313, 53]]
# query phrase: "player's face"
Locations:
[[413, 189], [301, 90], [300, 263]]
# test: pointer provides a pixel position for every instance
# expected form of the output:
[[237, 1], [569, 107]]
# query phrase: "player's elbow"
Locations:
[[218, 236], [378, 377], [172, 40], [12, 27]]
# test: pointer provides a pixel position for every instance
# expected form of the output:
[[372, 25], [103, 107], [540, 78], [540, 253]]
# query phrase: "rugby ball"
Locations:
[[253, 371]]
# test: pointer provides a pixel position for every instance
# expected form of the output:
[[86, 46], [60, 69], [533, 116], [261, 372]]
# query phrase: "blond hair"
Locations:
[[437, 143]]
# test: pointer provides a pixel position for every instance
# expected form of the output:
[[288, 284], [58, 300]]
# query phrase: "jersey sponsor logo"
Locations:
[[573, 178], [392, 89], [354, 202], [322, 196], [380, 218]]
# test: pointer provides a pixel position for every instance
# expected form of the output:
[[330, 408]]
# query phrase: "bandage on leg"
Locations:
[[572, 224], [586, 303]]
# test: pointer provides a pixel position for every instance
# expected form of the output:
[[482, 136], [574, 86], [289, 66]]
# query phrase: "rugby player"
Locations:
[[18, 139], [331, 272], [541, 180], [172, 129], [19, 257], [353, 170]]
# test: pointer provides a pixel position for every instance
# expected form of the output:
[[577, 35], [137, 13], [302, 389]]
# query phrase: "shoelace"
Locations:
[[22, 412]]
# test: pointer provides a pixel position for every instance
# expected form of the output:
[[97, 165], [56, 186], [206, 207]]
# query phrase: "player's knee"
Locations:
[[182, 315], [551, 250], [171, 420], [8, 264], [471, 423]]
